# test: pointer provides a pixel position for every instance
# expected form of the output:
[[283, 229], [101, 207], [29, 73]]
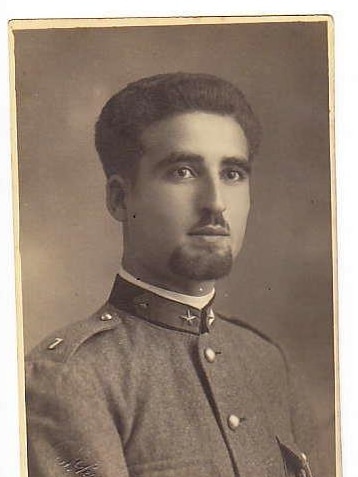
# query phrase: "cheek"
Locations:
[[238, 213], [238, 199], [165, 203], [161, 209]]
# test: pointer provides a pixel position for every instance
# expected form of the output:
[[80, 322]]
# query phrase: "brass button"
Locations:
[[106, 316], [233, 422], [210, 355]]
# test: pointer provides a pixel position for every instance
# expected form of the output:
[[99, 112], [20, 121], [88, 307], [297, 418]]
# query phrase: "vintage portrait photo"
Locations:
[[174, 183]]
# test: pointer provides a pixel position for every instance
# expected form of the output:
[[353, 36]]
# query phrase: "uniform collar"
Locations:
[[198, 302], [161, 310]]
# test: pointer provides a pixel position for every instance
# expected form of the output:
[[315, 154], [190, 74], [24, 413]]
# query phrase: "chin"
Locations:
[[201, 265]]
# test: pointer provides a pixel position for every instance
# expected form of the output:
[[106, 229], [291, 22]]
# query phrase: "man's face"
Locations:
[[186, 212]]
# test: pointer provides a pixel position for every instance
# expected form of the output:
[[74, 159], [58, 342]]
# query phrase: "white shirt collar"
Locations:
[[194, 301]]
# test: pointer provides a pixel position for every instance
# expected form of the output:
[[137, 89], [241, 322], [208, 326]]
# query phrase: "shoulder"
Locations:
[[249, 330], [62, 345], [83, 357], [254, 341]]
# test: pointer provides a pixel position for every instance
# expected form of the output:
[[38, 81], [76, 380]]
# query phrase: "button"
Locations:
[[233, 422], [210, 355], [106, 316]]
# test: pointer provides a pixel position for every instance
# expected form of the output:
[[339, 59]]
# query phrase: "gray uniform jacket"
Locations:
[[149, 387]]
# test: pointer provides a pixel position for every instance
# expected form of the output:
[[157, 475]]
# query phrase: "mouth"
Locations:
[[210, 231]]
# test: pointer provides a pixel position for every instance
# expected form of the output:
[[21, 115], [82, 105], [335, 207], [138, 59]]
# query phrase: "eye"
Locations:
[[182, 173], [234, 175]]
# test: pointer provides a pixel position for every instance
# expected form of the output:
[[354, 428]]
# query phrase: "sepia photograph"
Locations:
[[176, 266]]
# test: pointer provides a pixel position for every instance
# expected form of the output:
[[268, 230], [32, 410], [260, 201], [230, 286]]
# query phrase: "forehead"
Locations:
[[209, 135]]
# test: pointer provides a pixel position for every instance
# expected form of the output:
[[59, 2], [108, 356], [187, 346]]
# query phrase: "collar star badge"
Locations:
[[188, 318]]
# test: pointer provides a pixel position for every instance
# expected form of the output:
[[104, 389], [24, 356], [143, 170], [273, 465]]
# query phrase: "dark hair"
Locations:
[[127, 113]]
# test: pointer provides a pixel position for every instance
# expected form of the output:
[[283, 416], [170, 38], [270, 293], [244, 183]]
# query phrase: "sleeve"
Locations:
[[71, 429]]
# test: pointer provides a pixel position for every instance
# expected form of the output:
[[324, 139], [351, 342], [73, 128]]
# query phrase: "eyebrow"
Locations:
[[180, 157], [241, 162], [177, 158]]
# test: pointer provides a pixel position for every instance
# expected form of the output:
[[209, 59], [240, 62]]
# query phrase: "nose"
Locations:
[[212, 199]]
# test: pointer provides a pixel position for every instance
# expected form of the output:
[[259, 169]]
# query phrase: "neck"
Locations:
[[170, 282]]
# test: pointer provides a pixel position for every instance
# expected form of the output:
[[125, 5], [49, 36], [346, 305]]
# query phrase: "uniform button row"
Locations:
[[233, 421]]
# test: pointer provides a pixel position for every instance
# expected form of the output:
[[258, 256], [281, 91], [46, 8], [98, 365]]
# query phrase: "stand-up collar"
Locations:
[[162, 311]]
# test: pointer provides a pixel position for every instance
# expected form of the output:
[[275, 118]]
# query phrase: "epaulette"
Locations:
[[62, 344]]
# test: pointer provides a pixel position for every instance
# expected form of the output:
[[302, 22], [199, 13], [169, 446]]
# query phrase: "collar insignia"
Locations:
[[210, 317], [188, 318], [145, 304]]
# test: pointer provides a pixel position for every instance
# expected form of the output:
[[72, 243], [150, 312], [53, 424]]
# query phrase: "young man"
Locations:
[[156, 383]]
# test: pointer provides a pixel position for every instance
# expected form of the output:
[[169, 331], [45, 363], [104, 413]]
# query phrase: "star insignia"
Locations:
[[188, 318]]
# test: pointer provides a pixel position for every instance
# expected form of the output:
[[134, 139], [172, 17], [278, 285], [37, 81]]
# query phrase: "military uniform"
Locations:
[[150, 387]]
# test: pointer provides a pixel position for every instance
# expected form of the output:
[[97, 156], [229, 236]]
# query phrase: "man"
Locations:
[[156, 383]]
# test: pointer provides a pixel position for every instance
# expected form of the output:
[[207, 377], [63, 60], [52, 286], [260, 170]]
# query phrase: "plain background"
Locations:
[[347, 231], [282, 282]]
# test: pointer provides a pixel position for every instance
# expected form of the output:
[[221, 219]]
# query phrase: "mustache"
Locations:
[[211, 224]]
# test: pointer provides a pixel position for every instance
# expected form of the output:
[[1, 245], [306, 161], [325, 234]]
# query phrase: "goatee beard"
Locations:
[[205, 263]]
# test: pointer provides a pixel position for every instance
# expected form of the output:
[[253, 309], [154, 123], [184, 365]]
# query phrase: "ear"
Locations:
[[116, 191]]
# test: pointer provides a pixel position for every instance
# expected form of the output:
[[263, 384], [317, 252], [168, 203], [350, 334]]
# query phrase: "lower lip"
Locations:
[[210, 238]]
